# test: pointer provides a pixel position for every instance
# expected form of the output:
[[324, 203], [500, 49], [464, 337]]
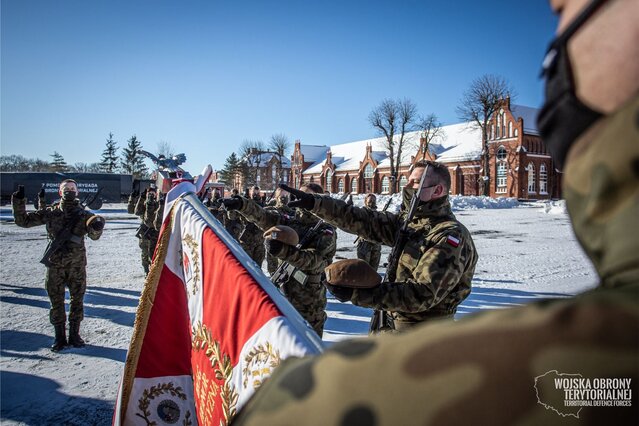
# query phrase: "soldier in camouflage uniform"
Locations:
[[68, 264], [146, 208], [369, 251], [483, 368], [278, 204], [309, 298], [251, 237], [437, 264]]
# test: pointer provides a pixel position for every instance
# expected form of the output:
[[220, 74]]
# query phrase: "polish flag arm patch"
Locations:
[[455, 242]]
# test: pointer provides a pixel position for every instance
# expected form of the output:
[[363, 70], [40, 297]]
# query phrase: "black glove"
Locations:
[[41, 193], [273, 247], [302, 199], [97, 224], [343, 294], [233, 203], [19, 194], [135, 193]]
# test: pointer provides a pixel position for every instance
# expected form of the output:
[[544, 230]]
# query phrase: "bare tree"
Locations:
[[250, 155], [279, 144], [165, 148], [431, 130], [393, 119], [477, 105]]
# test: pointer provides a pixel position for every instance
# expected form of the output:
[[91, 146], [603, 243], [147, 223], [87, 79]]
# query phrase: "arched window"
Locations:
[[329, 180], [385, 187], [490, 134], [402, 182], [510, 129], [368, 171], [543, 179], [354, 186], [531, 178], [503, 125], [340, 186], [258, 178], [516, 132], [273, 173], [501, 153]]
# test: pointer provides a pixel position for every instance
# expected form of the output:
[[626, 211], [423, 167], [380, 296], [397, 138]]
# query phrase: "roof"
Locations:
[[266, 157], [529, 116], [313, 153]]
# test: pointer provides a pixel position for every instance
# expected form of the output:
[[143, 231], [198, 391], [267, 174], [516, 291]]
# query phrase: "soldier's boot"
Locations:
[[60, 338], [74, 335]]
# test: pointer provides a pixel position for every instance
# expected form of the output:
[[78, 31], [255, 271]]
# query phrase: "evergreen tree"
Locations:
[[133, 160], [233, 171], [109, 162], [58, 164]]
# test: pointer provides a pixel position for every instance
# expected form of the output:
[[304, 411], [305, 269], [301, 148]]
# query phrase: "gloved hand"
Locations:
[[343, 294], [41, 193], [135, 194], [273, 247], [302, 199], [19, 194], [233, 203], [97, 223]]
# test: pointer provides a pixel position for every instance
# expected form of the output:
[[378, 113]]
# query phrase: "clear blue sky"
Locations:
[[205, 75]]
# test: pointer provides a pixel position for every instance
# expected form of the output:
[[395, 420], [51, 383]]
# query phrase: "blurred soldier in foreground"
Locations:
[[279, 204], [435, 267], [490, 368], [369, 251], [67, 223], [302, 286]]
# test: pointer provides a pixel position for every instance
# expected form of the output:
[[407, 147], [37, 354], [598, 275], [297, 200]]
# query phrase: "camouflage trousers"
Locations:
[[147, 247], [310, 301], [369, 252], [75, 278], [255, 251]]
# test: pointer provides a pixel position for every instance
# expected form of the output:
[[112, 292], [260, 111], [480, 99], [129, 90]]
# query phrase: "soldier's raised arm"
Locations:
[[263, 218], [20, 215]]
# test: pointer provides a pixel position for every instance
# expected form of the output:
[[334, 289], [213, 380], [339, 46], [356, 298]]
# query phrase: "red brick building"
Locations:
[[520, 166]]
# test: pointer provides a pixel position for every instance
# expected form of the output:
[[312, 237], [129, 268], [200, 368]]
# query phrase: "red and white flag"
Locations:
[[210, 326]]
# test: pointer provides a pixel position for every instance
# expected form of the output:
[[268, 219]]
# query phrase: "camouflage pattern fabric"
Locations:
[[435, 269], [233, 224], [69, 263], [132, 202], [483, 368], [146, 209], [369, 252], [272, 262], [251, 239], [308, 299]]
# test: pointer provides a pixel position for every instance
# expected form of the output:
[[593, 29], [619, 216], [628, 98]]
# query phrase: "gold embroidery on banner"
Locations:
[[206, 390], [222, 368], [195, 259], [155, 391], [259, 363]]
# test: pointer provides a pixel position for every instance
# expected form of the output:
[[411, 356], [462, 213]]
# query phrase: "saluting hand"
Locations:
[[41, 193], [19, 194], [302, 199]]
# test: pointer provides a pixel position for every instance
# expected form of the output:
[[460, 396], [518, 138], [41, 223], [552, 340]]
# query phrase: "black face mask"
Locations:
[[407, 197], [563, 117], [68, 195]]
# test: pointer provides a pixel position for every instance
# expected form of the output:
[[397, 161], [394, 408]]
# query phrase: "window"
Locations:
[[274, 173], [402, 182], [340, 186], [385, 187], [354, 186], [501, 153], [531, 178], [312, 179], [258, 178], [329, 180], [368, 171], [510, 129], [503, 125], [516, 132], [490, 134], [543, 179], [501, 177]]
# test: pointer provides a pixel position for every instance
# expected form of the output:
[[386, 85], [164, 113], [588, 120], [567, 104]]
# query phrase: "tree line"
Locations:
[[129, 161]]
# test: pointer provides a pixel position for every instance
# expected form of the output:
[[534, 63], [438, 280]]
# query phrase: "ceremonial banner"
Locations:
[[210, 326]]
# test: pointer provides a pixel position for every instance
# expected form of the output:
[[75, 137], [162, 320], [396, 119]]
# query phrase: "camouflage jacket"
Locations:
[[130, 206], [493, 368], [312, 259], [55, 218], [251, 234], [435, 269], [146, 210]]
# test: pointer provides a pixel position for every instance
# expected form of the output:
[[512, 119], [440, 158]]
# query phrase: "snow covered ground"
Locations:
[[526, 252]]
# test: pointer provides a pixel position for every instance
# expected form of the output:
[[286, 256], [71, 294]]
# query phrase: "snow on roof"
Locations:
[[265, 157], [313, 153], [460, 142], [529, 115]]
